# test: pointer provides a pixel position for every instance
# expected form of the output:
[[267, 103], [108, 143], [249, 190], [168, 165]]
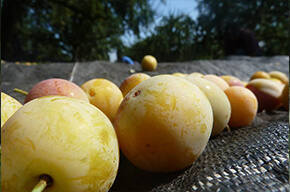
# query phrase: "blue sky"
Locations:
[[162, 9]]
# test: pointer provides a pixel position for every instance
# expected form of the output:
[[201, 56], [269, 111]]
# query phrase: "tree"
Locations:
[[179, 38], [268, 19], [75, 30], [173, 40]]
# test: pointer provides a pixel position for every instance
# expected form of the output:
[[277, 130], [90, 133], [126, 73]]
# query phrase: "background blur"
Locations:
[[171, 30]]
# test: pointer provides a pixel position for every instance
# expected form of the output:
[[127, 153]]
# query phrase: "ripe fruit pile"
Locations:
[[161, 123]]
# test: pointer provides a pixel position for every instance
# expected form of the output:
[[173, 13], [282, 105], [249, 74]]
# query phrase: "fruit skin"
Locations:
[[217, 80], [276, 80], [232, 81], [279, 75], [285, 96], [56, 86], [66, 138], [244, 106], [219, 102], [149, 63], [164, 124], [104, 95], [131, 82], [260, 75], [268, 93], [196, 74], [9, 106], [178, 74]]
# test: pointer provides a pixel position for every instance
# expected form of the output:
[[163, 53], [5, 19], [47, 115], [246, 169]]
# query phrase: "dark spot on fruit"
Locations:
[[148, 145], [92, 93], [137, 93]]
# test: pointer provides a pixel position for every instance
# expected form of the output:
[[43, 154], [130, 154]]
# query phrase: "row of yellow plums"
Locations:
[[163, 124]]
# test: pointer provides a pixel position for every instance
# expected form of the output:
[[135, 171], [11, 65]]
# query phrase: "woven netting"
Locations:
[[253, 158]]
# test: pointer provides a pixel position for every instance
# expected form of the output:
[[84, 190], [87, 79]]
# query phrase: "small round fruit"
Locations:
[[131, 82], [279, 75], [164, 124], [149, 63], [66, 138], [260, 75], [267, 92], [196, 74], [232, 81], [219, 102], [56, 86], [178, 74], [285, 96], [244, 106], [104, 95], [217, 80], [276, 80], [9, 106]]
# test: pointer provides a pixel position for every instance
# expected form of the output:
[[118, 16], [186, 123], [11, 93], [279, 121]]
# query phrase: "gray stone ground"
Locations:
[[193, 178]]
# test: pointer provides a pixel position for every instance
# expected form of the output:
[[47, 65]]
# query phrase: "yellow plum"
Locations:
[[149, 63], [104, 95], [63, 140], [244, 106], [217, 80], [131, 81], [219, 102], [279, 75], [164, 123]]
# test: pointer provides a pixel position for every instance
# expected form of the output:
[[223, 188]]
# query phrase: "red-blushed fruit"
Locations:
[[104, 95], [244, 106], [164, 123], [232, 81], [267, 92], [217, 80], [56, 86], [132, 81]]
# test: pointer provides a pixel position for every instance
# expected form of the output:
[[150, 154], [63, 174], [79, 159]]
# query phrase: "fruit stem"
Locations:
[[44, 181], [228, 128], [20, 91]]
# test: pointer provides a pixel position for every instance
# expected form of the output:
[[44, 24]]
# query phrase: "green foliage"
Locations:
[[181, 39], [74, 30], [174, 40], [82, 30], [268, 19]]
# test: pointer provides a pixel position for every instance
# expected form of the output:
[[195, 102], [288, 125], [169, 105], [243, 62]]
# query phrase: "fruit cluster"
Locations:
[[67, 137]]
